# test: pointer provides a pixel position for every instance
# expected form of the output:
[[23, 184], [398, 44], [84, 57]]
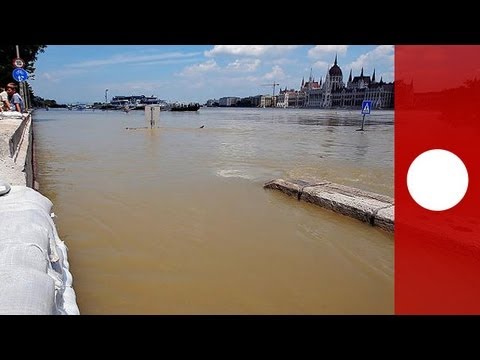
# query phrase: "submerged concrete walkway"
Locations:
[[374, 209], [34, 269], [16, 151]]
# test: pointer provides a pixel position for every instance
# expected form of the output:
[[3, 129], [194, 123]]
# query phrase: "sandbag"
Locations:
[[26, 292], [34, 270]]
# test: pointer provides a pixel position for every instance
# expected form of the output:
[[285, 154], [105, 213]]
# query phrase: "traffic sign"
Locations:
[[366, 107], [18, 63], [19, 74]]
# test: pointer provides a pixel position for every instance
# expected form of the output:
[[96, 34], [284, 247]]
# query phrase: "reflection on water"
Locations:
[[175, 220]]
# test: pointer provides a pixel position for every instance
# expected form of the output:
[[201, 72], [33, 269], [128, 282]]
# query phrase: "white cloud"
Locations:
[[246, 65], [138, 86], [249, 50], [166, 62], [234, 82], [380, 56], [132, 87], [48, 76], [320, 51], [201, 68], [56, 76], [322, 65], [388, 76], [283, 61], [384, 49], [277, 73], [127, 58]]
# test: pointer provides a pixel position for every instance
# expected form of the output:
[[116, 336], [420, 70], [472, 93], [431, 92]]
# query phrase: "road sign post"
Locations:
[[366, 108], [19, 74], [18, 63]]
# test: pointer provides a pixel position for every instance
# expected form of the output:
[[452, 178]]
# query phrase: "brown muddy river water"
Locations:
[[175, 220]]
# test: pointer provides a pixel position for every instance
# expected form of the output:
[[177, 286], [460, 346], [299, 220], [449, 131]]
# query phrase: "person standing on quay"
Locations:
[[16, 101], [4, 103]]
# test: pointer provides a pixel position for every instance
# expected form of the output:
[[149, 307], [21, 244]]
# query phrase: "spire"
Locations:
[[350, 77], [361, 74], [303, 81], [373, 76], [335, 60], [381, 79], [310, 78]]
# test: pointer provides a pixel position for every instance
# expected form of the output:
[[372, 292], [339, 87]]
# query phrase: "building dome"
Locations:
[[335, 69]]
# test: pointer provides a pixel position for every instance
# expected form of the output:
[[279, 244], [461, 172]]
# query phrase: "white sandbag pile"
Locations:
[[12, 115], [34, 270]]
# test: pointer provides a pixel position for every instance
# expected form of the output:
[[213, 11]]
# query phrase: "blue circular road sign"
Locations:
[[19, 74]]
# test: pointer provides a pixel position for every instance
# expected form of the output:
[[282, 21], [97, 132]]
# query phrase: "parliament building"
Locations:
[[334, 93]]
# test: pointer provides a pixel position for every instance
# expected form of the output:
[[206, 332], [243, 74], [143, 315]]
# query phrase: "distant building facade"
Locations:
[[335, 93], [228, 101], [212, 103]]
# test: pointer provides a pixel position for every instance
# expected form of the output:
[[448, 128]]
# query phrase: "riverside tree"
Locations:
[[28, 53]]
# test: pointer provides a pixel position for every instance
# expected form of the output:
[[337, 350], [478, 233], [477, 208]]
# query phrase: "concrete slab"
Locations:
[[374, 209]]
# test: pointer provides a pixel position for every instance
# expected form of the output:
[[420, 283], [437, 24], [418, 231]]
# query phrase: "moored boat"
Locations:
[[185, 107]]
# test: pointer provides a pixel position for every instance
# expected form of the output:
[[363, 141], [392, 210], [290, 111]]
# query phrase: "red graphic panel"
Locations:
[[437, 106]]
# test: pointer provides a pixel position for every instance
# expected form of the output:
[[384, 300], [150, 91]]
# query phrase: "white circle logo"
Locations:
[[437, 180]]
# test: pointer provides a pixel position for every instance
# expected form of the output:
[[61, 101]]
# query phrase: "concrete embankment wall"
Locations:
[[34, 269], [16, 149], [374, 209]]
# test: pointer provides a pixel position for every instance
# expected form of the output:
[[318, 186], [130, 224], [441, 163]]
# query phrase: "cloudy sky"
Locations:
[[82, 73]]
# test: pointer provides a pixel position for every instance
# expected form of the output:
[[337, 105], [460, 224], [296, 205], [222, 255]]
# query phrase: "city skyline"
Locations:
[[194, 73]]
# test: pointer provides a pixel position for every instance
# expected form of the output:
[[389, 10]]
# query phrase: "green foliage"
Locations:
[[28, 53], [37, 101]]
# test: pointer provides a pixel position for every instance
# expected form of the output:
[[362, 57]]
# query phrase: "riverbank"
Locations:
[[34, 269], [16, 149]]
